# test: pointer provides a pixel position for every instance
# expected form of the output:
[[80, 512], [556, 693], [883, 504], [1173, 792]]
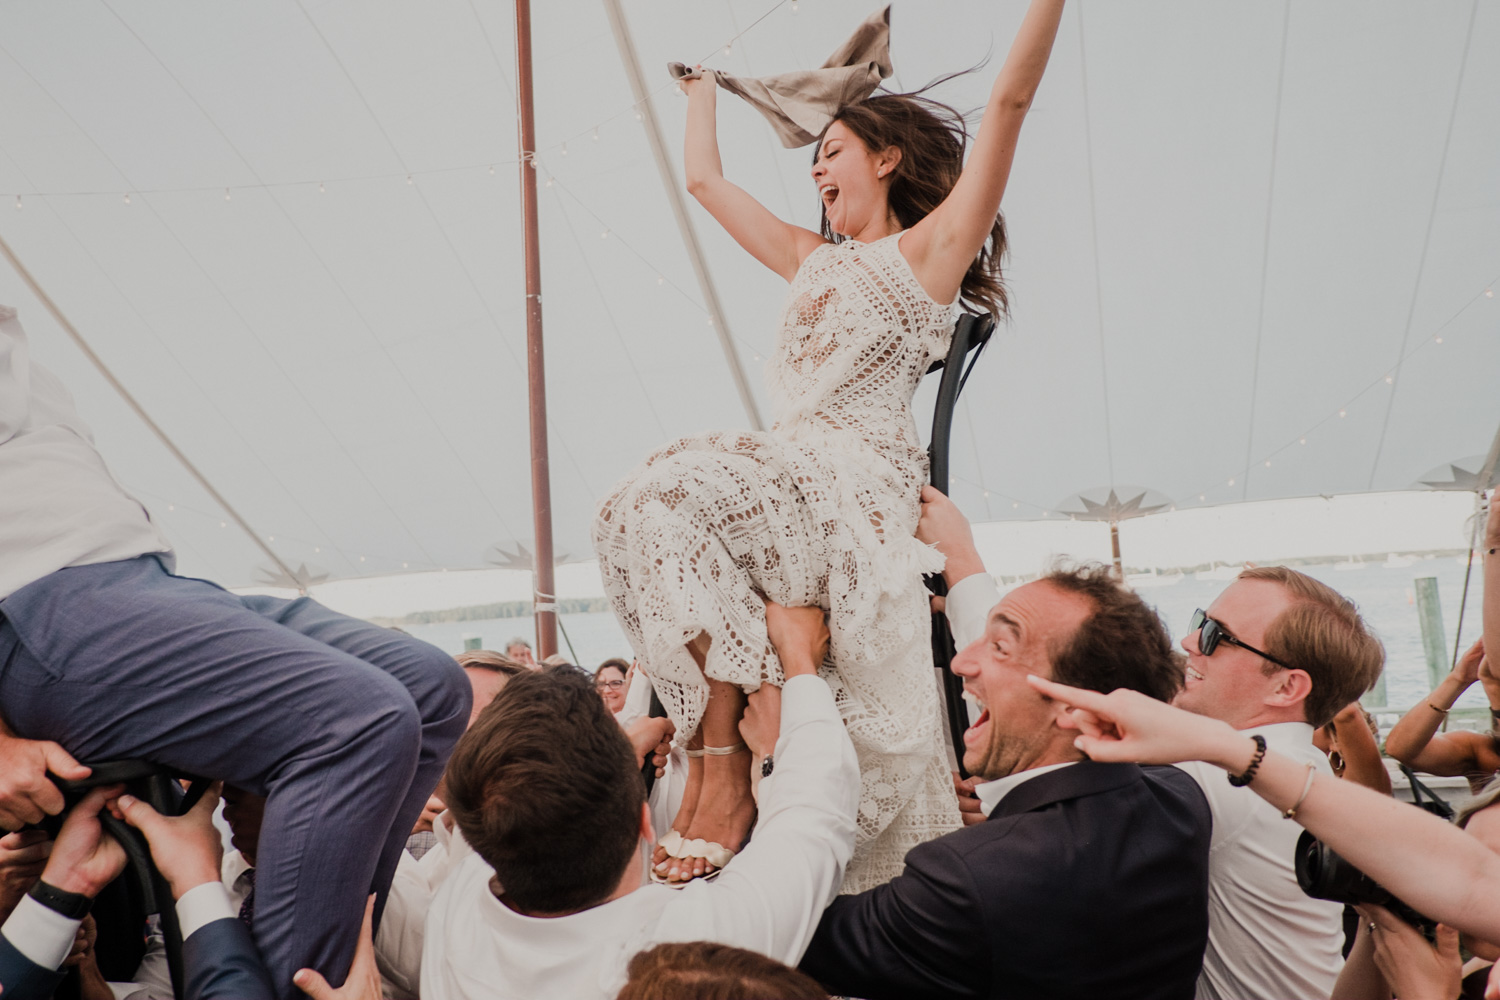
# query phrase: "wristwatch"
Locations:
[[767, 765], [73, 905]]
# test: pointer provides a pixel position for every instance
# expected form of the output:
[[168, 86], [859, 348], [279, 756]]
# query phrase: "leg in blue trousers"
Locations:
[[344, 726]]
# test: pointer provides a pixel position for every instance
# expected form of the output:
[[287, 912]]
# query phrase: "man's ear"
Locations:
[[1291, 688], [646, 830]]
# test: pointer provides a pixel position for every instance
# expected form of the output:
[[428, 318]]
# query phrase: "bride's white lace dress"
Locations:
[[822, 511]]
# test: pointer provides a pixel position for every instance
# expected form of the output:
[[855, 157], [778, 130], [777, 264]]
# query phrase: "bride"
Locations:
[[822, 509]]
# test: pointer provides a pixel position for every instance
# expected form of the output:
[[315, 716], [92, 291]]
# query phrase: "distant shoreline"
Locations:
[[593, 605]]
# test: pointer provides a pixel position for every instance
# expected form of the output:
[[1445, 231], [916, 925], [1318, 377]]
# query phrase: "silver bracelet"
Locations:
[[1307, 787]]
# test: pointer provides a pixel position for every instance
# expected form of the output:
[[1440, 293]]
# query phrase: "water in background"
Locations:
[[1386, 597]]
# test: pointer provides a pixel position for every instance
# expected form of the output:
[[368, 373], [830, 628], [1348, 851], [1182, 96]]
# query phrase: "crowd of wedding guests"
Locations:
[[1131, 824]]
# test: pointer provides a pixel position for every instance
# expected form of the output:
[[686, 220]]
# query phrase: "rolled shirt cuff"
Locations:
[[202, 905]]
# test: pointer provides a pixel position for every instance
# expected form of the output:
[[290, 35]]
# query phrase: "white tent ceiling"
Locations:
[[291, 229]]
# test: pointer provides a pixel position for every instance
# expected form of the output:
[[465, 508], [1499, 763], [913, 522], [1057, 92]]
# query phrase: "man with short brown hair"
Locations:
[[1086, 879], [547, 895], [1276, 654]]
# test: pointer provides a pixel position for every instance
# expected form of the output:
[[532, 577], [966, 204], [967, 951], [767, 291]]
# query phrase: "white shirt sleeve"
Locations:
[[398, 943], [43, 935], [771, 896], [202, 905], [968, 607]]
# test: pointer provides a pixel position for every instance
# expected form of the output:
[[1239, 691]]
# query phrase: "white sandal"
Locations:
[[678, 846]]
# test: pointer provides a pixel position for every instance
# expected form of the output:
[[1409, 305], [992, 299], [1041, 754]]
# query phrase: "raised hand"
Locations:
[[1126, 725], [85, 859], [800, 636], [187, 849], [26, 792], [364, 976], [1466, 670], [944, 526], [1411, 966], [23, 855], [761, 726]]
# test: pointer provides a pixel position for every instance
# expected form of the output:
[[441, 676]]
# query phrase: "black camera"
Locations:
[[1322, 874]]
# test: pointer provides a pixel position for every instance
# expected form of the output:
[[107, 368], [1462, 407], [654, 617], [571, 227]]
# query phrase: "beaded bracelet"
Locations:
[[1241, 780]]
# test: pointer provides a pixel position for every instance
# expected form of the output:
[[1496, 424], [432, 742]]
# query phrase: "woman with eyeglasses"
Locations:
[[609, 681]]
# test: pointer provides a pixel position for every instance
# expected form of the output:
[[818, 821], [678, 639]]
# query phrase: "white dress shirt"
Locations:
[[768, 899], [1267, 939], [59, 505]]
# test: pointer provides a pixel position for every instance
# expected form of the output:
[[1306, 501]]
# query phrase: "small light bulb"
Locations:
[[1013, 504], [604, 235], [408, 178], [729, 48], [270, 538], [1440, 340], [596, 133], [1302, 440], [1390, 380], [223, 524], [1343, 412], [565, 149], [1202, 496], [18, 203], [492, 169], [660, 280], [639, 116], [1489, 293], [710, 321], [226, 194], [171, 506], [321, 188], [361, 558], [403, 565], [549, 182], [127, 199], [317, 548], [1268, 463], [1231, 482], [794, 6], [756, 356]]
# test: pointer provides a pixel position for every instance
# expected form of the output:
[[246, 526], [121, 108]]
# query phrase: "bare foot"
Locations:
[[724, 815], [685, 811]]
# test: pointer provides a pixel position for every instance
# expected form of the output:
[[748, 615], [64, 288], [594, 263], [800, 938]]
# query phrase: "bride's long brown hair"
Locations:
[[932, 138]]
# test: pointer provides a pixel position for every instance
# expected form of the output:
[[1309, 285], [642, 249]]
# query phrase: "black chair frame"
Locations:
[[156, 785]]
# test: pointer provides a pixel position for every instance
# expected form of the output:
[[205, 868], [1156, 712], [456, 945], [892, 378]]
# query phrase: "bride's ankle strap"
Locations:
[[725, 751]]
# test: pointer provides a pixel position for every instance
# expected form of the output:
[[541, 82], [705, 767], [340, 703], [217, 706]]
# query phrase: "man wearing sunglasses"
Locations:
[[1277, 654]]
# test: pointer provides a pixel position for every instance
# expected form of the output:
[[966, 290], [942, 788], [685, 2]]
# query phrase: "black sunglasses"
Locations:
[[1214, 633]]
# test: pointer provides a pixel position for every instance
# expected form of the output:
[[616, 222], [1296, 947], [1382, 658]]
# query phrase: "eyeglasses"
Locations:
[[612, 685], [1214, 632]]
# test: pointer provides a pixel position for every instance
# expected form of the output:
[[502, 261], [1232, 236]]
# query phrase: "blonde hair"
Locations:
[[488, 659], [1323, 635]]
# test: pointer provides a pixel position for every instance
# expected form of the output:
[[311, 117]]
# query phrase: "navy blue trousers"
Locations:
[[344, 726]]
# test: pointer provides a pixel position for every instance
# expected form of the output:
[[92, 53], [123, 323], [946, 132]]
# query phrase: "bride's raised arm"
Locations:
[[941, 247], [778, 245]]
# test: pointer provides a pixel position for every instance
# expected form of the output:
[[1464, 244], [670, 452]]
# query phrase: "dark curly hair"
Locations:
[[932, 138]]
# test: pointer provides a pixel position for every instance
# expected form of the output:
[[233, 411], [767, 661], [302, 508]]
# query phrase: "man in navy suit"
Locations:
[[219, 959], [1086, 879]]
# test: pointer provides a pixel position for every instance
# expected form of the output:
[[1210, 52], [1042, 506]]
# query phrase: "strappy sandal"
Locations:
[[678, 846]]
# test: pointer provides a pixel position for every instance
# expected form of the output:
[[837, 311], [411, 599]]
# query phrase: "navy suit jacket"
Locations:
[[219, 961], [1088, 881]]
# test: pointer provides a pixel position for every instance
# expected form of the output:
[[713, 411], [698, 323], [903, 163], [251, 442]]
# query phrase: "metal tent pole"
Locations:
[[544, 592]]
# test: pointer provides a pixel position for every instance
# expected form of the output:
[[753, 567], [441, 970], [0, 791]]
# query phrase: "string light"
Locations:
[[1438, 340], [361, 558], [321, 188], [223, 524], [1390, 380], [660, 280], [171, 506], [226, 194], [596, 133], [549, 182], [270, 538], [1302, 441], [1202, 496], [1489, 293], [1268, 463], [638, 115], [492, 170], [604, 235], [408, 179], [317, 548], [794, 6], [1231, 482], [564, 149], [1015, 505], [728, 48], [127, 199], [1343, 412]]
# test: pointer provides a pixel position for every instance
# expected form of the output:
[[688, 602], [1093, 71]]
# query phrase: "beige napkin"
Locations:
[[800, 105]]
